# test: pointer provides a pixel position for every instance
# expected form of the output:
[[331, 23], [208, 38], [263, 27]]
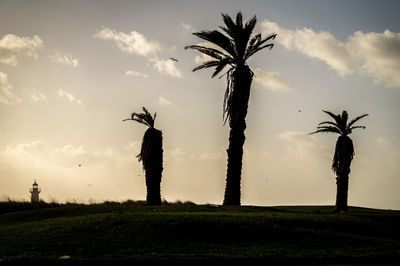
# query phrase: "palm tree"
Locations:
[[234, 48], [151, 155], [344, 152]]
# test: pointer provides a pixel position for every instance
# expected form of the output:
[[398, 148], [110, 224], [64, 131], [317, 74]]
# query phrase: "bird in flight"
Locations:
[[173, 59]]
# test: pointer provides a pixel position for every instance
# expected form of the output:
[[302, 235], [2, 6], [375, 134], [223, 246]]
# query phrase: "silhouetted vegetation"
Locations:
[[11, 205], [151, 155], [344, 152], [236, 46], [132, 230]]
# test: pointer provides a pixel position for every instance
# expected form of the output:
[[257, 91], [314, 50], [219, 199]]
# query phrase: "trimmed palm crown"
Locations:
[[151, 155], [340, 125], [236, 46], [344, 150], [144, 118]]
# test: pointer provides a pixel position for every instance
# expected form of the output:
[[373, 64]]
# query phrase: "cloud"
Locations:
[[207, 156], [37, 96], [188, 27], [178, 154], [132, 43], [38, 154], [164, 101], [376, 55], [270, 80], [7, 97], [63, 59], [301, 145], [32, 154], [13, 46], [134, 73], [133, 146], [69, 96], [383, 142], [167, 67]]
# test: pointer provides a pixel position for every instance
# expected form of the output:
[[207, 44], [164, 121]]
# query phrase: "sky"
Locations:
[[71, 71]]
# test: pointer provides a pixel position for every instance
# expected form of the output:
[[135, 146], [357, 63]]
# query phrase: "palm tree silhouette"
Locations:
[[344, 152], [235, 47], [151, 155]]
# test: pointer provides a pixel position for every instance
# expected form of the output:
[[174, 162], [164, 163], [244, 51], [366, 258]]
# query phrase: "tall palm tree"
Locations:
[[151, 155], [344, 152], [235, 46]]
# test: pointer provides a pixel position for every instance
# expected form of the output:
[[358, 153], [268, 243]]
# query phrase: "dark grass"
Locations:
[[132, 231]]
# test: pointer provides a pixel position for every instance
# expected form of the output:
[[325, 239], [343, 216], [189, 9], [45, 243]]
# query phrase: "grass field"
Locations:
[[185, 231]]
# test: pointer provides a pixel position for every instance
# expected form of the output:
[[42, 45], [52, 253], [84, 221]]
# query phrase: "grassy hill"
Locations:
[[134, 231]]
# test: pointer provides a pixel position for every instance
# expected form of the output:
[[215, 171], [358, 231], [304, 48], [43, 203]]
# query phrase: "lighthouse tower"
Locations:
[[35, 190]]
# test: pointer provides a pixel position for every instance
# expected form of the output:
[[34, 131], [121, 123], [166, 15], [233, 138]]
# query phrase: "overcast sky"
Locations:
[[71, 71]]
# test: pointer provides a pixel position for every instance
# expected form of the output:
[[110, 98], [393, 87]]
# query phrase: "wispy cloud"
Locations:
[[63, 59], [133, 146], [270, 80], [134, 73], [301, 145], [188, 27], [13, 46], [381, 141], [37, 96], [132, 43], [165, 102], [167, 67], [38, 154], [7, 97], [376, 55], [217, 155], [69, 96], [178, 154]]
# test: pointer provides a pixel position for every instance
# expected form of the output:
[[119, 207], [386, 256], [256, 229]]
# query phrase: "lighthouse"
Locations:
[[35, 190]]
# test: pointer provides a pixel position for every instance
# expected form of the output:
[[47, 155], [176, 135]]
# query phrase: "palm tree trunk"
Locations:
[[153, 196], [342, 184], [344, 152], [241, 81], [153, 165]]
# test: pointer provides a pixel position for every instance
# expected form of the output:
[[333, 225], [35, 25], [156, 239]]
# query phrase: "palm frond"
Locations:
[[256, 43], [230, 33], [249, 26], [343, 121], [331, 124], [255, 50], [354, 127], [328, 123], [335, 117], [256, 38], [244, 37], [218, 39], [230, 26], [326, 129], [222, 64], [356, 119], [208, 51], [207, 65], [239, 20], [144, 118], [227, 107]]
